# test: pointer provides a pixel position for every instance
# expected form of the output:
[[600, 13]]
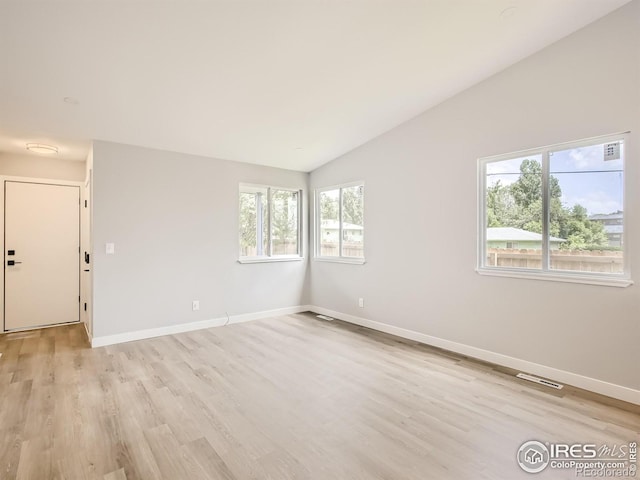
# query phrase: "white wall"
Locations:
[[41, 167], [421, 199], [174, 221]]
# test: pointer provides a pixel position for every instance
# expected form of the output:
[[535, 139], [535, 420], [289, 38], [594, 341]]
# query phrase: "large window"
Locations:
[[340, 223], [555, 212], [269, 223]]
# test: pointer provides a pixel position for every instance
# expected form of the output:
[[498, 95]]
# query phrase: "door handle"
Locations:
[[12, 262]]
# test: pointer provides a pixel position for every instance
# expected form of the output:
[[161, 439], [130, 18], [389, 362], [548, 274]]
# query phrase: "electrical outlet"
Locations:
[[361, 302], [195, 305]]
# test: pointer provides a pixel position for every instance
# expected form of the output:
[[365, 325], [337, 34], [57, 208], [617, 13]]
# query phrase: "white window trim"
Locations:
[[351, 260], [274, 259], [603, 279], [268, 258], [317, 229]]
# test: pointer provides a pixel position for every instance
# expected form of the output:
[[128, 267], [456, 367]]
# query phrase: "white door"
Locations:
[[41, 257]]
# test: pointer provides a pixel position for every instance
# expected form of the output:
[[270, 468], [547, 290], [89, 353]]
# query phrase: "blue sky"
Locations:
[[584, 176]]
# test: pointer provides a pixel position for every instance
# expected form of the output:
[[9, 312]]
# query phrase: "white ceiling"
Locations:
[[291, 83]]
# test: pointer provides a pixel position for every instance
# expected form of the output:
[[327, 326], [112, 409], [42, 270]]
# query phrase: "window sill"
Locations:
[[294, 258], [353, 261], [558, 277]]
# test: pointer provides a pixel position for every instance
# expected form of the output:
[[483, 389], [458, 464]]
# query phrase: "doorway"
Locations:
[[41, 254]]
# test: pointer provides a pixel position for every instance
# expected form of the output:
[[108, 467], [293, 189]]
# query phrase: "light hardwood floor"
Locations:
[[285, 398]]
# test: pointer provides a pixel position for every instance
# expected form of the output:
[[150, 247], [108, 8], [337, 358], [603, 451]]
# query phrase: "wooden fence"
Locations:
[[573, 260], [279, 248], [348, 250]]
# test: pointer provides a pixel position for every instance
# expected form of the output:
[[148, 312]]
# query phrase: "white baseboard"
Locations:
[[188, 327], [587, 383]]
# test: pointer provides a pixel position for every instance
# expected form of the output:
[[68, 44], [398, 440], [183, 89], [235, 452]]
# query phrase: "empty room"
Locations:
[[319, 239]]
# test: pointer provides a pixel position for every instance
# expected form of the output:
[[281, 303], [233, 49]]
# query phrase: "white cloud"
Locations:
[[586, 158], [594, 202], [583, 159], [503, 179], [506, 171]]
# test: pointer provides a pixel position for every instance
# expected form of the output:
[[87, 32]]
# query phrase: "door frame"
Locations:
[[86, 245], [44, 181]]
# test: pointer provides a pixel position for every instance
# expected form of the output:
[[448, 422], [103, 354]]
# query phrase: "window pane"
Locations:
[[284, 224], [587, 208], [253, 221], [247, 224], [262, 202], [353, 221], [329, 204], [514, 213]]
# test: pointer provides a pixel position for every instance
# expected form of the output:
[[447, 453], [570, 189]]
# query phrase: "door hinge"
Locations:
[[85, 306], [85, 204], [78, 298]]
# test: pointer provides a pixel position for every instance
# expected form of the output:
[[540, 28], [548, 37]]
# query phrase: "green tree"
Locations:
[[248, 236], [519, 205], [284, 210], [329, 205], [527, 194], [500, 205], [582, 233], [352, 205], [528, 188]]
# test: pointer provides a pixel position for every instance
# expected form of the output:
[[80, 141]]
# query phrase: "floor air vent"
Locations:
[[324, 317], [541, 381]]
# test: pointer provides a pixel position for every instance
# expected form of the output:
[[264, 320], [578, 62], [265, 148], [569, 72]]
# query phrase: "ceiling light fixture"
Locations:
[[42, 148]]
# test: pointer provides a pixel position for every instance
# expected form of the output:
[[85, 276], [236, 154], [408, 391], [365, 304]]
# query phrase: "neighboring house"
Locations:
[[351, 232], [509, 237], [613, 225]]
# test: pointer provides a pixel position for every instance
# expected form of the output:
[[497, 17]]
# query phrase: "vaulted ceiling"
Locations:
[[286, 83]]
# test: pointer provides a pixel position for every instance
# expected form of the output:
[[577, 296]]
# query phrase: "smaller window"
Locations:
[[269, 220], [340, 223]]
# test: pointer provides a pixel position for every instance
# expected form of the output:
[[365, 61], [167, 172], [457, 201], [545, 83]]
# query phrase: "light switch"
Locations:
[[110, 248]]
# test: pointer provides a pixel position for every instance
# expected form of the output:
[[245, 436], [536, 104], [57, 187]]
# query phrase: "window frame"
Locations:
[[318, 228], [546, 273], [269, 256]]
